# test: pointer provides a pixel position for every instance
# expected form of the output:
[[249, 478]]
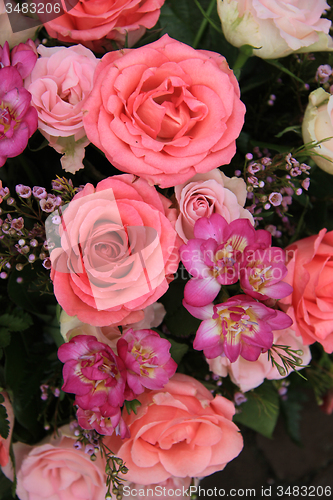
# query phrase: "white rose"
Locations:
[[277, 29], [318, 125]]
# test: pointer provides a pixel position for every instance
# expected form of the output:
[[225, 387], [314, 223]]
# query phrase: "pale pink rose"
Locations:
[[5, 442], [60, 84], [250, 374], [206, 194], [181, 430], [96, 23], [118, 251], [173, 487], [54, 470], [276, 28], [165, 111], [310, 272]]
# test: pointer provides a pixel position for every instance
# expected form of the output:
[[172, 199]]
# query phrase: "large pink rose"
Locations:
[[165, 111], [60, 84], [180, 431], [310, 272], [95, 23], [206, 194], [54, 470], [118, 251], [250, 374]]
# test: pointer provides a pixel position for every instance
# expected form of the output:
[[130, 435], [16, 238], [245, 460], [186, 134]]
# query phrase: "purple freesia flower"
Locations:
[[147, 359], [240, 326], [105, 420], [214, 255], [262, 272], [18, 119], [92, 372], [23, 57]]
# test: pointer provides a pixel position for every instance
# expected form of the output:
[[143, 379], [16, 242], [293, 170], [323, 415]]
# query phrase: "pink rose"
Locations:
[[5, 442], [96, 23], [173, 487], [118, 251], [250, 374], [180, 431], [55, 470], [310, 272], [165, 111], [206, 194], [60, 84]]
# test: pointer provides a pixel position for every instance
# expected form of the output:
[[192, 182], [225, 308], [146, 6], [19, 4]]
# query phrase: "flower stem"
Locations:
[[204, 21]]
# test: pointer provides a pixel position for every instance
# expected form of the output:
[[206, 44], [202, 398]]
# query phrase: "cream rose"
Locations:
[[318, 125], [276, 28]]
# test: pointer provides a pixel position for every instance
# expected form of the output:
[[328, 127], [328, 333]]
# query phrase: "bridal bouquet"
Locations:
[[166, 233]]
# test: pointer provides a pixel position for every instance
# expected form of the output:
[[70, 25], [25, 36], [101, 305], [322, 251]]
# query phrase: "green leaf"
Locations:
[[4, 423], [291, 409], [132, 406], [293, 128], [16, 322], [4, 337], [261, 410], [177, 349]]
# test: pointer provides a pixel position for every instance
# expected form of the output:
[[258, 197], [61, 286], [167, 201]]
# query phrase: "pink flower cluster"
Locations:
[[102, 380], [18, 119], [223, 254]]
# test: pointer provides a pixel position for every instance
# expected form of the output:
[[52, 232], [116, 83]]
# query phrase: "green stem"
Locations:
[[204, 21], [240, 61]]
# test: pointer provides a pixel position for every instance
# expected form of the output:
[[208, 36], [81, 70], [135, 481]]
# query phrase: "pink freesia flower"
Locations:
[[18, 119], [23, 57], [147, 359], [262, 272], [250, 374], [213, 257], [105, 420], [240, 326], [95, 375]]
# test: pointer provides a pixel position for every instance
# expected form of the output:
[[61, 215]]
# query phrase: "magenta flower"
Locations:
[[23, 57], [18, 119], [105, 421], [213, 256], [147, 359], [262, 272], [241, 326], [93, 373]]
